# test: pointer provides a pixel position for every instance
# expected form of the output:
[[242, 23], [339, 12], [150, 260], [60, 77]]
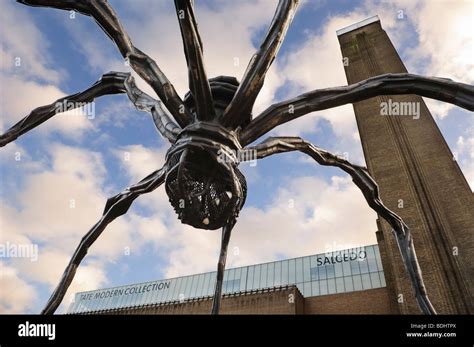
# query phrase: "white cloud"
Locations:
[[16, 294]]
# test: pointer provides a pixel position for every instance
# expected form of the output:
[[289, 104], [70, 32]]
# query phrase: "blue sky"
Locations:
[[294, 207]]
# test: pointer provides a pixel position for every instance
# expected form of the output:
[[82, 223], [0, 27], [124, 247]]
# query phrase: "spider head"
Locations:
[[203, 182]]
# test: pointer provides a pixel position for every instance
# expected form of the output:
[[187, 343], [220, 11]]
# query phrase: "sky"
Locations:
[[54, 180]]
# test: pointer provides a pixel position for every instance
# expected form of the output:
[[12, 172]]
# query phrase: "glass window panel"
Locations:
[[314, 261], [243, 279], [199, 285], [187, 288], [314, 273], [206, 284], [357, 282], [382, 279], [237, 280], [355, 267], [271, 275], [229, 281], [340, 285], [330, 271], [212, 283], [348, 285], [299, 270], [346, 268], [331, 286], [120, 300], [322, 272], [226, 276], [338, 269], [307, 289], [163, 293], [256, 277], [306, 269], [291, 271], [374, 278], [323, 287], [366, 281], [172, 291], [378, 259], [251, 271], [315, 288], [179, 289], [372, 262], [263, 276], [284, 272], [202, 285], [364, 268], [277, 281], [192, 292]]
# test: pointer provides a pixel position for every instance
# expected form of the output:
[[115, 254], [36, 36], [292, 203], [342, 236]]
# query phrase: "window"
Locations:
[[346, 268], [237, 280], [194, 284], [314, 288], [366, 281], [330, 271], [338, 269], [374, 278], [340, 285], [250, 275], [230, 285], [271, 275], [301, 288], [331, 286], [200, 285], [277, 281], [355, 270], [306, 269], [256, 277], [243, 279], [263, 276], [187, 287], [299, 270], [291, 271], [348, 284], [212, 283], [205, 284], [314, 274], [364, 268], [357, 282], [284, 272], [322, 272], [371, 259], [323, 287]]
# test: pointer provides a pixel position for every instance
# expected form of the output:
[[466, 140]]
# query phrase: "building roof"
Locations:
[[358, 25]]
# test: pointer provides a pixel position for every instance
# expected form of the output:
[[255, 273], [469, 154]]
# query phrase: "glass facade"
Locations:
[[321, 274]]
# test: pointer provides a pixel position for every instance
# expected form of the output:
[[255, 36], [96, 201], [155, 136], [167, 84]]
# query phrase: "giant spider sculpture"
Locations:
[[214, 122]]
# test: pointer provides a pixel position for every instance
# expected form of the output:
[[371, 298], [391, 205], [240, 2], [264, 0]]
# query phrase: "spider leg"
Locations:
[[198, 82], [369, 188], [110, 83], [115, 207], [442, 89], [143, 65], [226, 231], [254, 77]]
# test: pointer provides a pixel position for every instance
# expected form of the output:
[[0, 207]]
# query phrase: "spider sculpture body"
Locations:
[[214, 122]]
